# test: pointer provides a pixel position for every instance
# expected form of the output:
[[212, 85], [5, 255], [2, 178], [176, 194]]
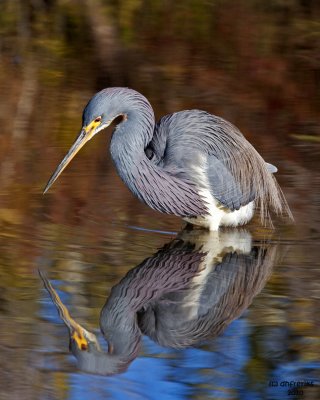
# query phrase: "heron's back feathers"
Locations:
[[228, 165]]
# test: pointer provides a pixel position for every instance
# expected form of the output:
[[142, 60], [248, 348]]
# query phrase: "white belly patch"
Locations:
[[219, 216]]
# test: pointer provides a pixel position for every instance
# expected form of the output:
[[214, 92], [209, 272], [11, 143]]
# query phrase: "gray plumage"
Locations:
[[191, 163], [236, 173]]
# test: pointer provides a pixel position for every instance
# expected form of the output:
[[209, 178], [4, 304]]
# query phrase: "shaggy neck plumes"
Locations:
[[156, 187], [130, 138], [128, 142]]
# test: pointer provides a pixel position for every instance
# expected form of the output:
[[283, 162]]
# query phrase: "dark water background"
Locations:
[[254, 63]]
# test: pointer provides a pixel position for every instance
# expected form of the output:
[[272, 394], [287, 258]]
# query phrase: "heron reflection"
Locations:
[[187, 292]]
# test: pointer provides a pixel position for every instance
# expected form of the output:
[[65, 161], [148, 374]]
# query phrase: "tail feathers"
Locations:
[[271, 168], [253, 172], [270, 196]]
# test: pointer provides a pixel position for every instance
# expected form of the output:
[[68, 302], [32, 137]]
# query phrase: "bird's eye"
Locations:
[[98, 119]]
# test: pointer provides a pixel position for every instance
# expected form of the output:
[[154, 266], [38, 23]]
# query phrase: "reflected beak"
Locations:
[[77, 333]]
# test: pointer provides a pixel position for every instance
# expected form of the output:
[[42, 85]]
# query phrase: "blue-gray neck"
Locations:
[[130, 138], [128, 143], [156, 187]]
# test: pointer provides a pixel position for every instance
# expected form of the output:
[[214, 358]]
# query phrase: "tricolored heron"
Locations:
[[191, 163], [187, 292]]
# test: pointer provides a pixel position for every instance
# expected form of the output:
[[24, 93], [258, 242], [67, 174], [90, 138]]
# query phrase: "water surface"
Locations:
[[255, 66]]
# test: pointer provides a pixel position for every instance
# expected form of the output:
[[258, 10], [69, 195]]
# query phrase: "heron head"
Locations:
[[103, 108]]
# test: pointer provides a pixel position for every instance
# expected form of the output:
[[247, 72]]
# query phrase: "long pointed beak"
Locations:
[[77, 332], [77, 145]]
